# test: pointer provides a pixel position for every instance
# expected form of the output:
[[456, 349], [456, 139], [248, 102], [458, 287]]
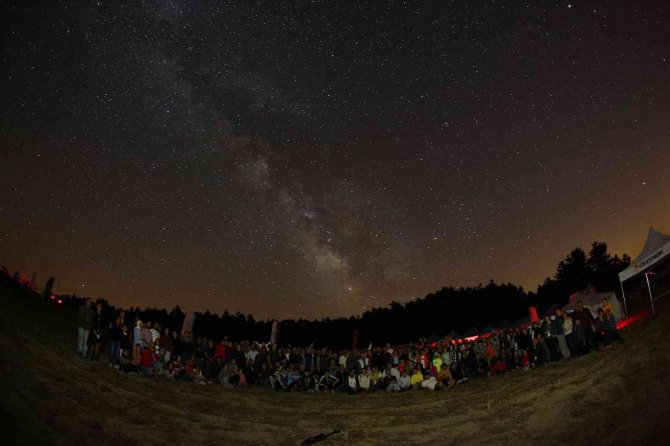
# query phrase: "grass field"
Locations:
[[620, 395]]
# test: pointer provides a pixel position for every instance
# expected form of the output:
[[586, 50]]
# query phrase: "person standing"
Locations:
[[96, 330], [557, 331], [115, 337], [587, 321], [84, 322]]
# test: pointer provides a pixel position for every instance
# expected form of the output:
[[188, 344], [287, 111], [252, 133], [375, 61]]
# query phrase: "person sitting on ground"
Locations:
[[262, 374], [394, 371], [188, 370], [178, 367], [481, 365], [225, 377], [328, 382], [249, 371], [309, 380], [429, 381], [390, 382], [444, 377], [499, 367], [416, 378], [352, 382], [125, 363], [524, 362], [376, 379], [199, 377], [150, 363], [404, 382], [294, 378], [364, 380]]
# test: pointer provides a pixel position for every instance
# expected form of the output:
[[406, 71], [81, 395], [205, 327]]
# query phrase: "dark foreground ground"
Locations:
[[620, 395]]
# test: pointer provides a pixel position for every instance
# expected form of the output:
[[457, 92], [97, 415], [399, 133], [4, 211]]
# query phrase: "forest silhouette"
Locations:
[[449, 311]]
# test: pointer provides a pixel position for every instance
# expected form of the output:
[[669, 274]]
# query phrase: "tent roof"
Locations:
[[654, 241], [655, 248]]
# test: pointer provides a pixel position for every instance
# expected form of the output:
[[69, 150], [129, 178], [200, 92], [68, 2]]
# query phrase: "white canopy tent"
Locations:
[[593, 301], [656, 248]]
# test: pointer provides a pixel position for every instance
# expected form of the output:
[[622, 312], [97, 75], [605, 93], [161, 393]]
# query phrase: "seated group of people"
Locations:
[[150, 350]]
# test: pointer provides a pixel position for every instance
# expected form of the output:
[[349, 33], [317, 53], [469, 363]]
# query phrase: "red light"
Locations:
[[52, 297], [623, 323]]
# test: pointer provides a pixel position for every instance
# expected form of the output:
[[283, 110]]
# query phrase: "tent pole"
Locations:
[[651, 298], [625, 308]]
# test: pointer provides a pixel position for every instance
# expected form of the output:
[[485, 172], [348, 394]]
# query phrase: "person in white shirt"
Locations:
[[155, 334], [364, 380], [429, 382], [404, 381]]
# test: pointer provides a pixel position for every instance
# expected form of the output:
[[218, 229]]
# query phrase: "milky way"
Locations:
[[312, 159]]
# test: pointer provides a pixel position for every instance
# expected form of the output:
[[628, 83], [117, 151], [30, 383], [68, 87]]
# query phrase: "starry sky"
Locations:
[[320, 158]]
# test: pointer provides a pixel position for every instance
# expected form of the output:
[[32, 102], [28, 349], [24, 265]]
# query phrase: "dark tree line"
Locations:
[[444, 312], [578, 271]]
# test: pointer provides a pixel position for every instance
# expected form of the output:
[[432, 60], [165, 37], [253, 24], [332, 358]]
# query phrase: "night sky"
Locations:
[[312, 159]]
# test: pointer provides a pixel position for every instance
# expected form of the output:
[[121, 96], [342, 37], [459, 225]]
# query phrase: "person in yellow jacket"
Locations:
[[607, 306], [416, 378], [437, 361]]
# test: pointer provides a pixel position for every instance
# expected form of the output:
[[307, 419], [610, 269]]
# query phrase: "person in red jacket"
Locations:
[[499, 366], [220, 351], [150, 362], [525, 361]]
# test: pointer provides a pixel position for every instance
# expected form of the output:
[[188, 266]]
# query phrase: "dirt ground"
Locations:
[[620, 395]]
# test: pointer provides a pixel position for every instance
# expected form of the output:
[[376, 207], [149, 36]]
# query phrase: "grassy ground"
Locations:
[[620, 395]]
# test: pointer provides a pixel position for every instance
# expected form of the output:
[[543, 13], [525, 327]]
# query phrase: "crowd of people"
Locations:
[[147, 348]]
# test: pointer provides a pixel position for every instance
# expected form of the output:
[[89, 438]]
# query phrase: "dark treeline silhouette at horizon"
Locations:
[[445, 312]]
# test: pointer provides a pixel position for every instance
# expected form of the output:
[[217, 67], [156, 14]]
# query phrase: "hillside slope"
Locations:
[[620, 395]]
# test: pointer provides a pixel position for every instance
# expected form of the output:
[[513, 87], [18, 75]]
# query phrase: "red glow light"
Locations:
[[623, 323]]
